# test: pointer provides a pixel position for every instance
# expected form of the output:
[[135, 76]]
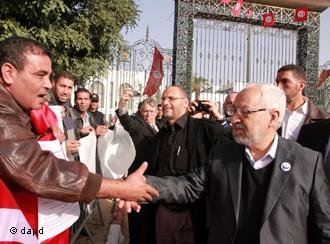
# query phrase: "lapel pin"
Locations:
[[285, 166]]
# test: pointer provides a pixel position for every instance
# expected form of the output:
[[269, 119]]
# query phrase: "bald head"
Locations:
[[257, 113], [174, 103]]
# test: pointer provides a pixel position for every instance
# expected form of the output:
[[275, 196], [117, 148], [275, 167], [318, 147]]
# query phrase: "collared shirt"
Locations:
[[173, 154], [265, 160], [293, 120], [85, 119]]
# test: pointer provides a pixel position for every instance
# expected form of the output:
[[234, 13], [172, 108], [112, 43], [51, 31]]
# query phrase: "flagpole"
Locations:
[[249, 44]]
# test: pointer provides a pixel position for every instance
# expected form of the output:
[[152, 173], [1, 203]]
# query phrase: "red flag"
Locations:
[[237, 8], [248, 13], [325, 73], [13, 221], [301, 14], [42, 119], [268, 19], [156, 74], [225, 1]]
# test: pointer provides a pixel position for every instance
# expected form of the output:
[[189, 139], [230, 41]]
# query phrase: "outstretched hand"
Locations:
[[136, 187], [133, 188]]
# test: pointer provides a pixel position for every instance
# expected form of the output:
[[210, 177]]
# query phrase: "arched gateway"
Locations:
[[224, 52]]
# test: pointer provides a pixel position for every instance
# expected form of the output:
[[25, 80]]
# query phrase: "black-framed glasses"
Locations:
[[171, 99], [243, 111]]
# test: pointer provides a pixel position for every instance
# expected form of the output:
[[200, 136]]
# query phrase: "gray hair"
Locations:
[[150, 101], [273, 98]]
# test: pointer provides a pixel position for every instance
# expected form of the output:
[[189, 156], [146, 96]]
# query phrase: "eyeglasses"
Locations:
[[243, 111], [171, 99]]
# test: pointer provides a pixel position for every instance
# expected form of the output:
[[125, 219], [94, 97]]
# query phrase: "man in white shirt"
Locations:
[[300, 110]]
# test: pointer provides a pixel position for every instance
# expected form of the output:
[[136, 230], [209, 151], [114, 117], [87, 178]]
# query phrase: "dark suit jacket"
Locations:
[[316, 137], [142, 135], [292, 195], [201, 135]]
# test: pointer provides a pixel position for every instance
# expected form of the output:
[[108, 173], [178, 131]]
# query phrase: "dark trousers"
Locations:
[[142, 225], [173, 227]]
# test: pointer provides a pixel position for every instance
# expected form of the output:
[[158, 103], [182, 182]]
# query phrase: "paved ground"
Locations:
[[98, 231]]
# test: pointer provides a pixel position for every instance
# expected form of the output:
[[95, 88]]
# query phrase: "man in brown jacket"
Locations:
[[24, 82]]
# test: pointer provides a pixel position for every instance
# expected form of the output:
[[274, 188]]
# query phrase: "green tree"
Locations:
[[82, 36]]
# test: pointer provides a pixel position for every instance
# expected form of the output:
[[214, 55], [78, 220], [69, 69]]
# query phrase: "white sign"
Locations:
[[87, 151], [55, 216], [116, 152]]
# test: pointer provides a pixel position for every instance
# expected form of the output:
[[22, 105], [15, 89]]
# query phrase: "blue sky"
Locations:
[[159, 16]]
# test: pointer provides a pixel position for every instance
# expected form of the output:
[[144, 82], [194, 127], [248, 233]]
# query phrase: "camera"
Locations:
[[202, 107]]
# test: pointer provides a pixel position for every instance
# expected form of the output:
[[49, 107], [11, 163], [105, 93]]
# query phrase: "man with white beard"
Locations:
[[263, 188]]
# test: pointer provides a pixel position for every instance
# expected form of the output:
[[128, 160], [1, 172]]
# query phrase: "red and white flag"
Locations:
[[301, 14], [225, 1], [237, 8], [268, 19], [248, 13], [14, 228], [156, 74]]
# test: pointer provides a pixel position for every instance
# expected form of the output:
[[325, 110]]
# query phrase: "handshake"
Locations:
[[130, 191]]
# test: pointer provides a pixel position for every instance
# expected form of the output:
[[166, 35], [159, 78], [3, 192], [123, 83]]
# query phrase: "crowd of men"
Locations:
[[247, 176]]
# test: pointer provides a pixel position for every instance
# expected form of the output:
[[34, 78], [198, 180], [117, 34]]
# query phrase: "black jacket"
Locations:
[[201, 135], [142, 135]]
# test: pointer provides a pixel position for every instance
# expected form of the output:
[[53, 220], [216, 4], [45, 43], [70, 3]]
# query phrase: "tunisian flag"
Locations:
[[301, 14], [268, 19], [14, 227], [156, 74]]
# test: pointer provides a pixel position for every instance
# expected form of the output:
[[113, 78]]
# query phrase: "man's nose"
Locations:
[[47, 84], [165, 102]]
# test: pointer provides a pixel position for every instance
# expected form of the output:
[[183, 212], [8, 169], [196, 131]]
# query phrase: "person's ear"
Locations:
[[274, 116], [186, 103], [302, 84], [8, 72]]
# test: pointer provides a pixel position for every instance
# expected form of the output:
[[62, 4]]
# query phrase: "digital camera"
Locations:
[[202, 107]]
